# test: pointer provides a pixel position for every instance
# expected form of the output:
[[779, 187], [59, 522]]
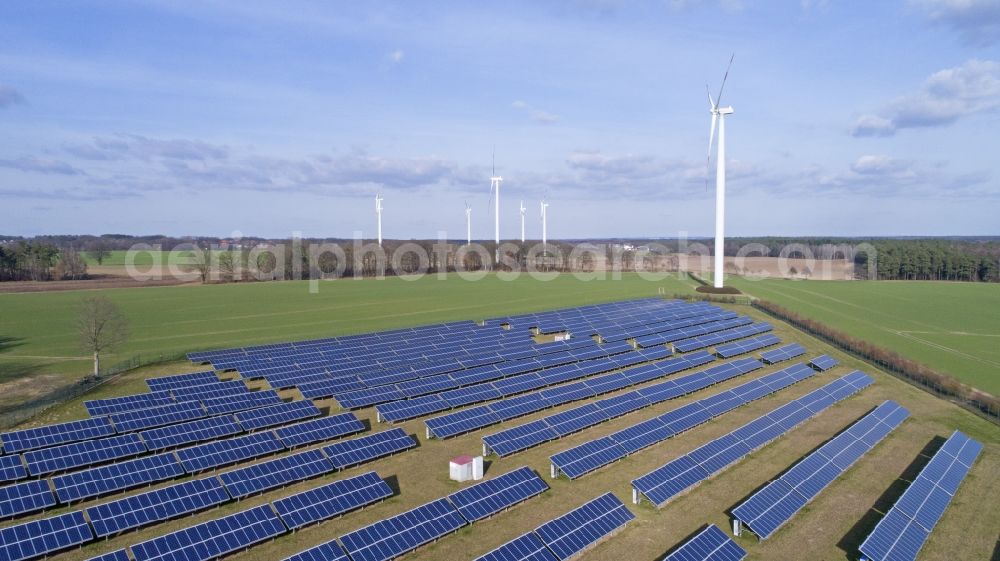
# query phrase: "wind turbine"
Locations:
[[468, 224], [522, 221], [719, 116], [378, 213], [495, 188], [544, 205]]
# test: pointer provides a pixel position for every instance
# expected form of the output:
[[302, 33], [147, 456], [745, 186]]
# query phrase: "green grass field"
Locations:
[[952, 327]]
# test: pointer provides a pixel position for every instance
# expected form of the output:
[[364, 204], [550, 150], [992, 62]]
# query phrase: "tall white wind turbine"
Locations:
[[719, 116], [545, 233], [378, 214], [468, 224], [495, 190], [522, 221]]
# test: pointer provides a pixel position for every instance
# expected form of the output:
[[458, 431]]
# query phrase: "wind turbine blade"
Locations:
[[710, 102], [718, 98]]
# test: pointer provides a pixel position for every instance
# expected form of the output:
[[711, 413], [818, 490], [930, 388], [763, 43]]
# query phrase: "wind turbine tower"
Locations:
[[544, 206], [719, 116], [495, 187], [468, 224], [522, 221], [378, 214]]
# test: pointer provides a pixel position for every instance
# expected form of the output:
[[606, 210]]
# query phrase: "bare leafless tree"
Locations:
[[102, 327]]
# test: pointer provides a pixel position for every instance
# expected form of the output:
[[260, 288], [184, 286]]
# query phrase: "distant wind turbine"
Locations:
[[719, 115], [468, 224], [378, 213], [495, 189], [522, 221], [544, 208]]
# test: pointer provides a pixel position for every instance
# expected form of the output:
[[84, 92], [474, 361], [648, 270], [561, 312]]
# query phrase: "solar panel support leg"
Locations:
[[635, 496], [552, 470], [737, 527], [428, 430]]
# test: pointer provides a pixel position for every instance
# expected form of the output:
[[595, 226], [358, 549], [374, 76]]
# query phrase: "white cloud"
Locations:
[[945, 96], [536, 115], [396, 56]]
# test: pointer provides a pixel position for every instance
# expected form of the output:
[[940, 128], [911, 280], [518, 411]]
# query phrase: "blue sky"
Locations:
[[267, 118]]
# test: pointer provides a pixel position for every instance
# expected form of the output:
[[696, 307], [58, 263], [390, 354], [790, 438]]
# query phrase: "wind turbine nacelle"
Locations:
[[725, 110]]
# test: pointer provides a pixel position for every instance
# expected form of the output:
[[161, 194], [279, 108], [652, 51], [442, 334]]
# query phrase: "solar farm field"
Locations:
[[949, 326], [832, 526]]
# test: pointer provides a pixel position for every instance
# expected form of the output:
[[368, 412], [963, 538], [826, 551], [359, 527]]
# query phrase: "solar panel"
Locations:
[[584, 526], [97, 407], [77, 454], [333, 499], [823, 363], [317, 430], [25, 497], [231, 450], [274, 473], [115, 477], [783, 353], [42, 537], [588, 456], [240, 402], [519, 406], [164, 383], [680, 474], [366, 448], [460, 422], [522, 437], [746, 345], [411, 408], [494, 495], [280, 414], [117, 555], [214, 538], [156, 506], [192, 431], [710, 544], [902, 532], [11, 468], [52, 435], [212, 391], [527, 547], [404, 532], [329, 551], [368, 396], [139, 419]]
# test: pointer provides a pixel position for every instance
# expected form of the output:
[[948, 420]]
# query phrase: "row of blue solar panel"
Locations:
[[768, 509], [481, 416], [393, 403], [371, 357], [679, 475], [568, 535], [589, 456], [33, 538], [514, 384], [391, 537], [560, 424], [22, 498], [67, 457], [710, 544], [901, 534]]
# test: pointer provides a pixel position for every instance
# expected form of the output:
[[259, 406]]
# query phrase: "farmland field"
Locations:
[[952, 327], [829, 528]]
